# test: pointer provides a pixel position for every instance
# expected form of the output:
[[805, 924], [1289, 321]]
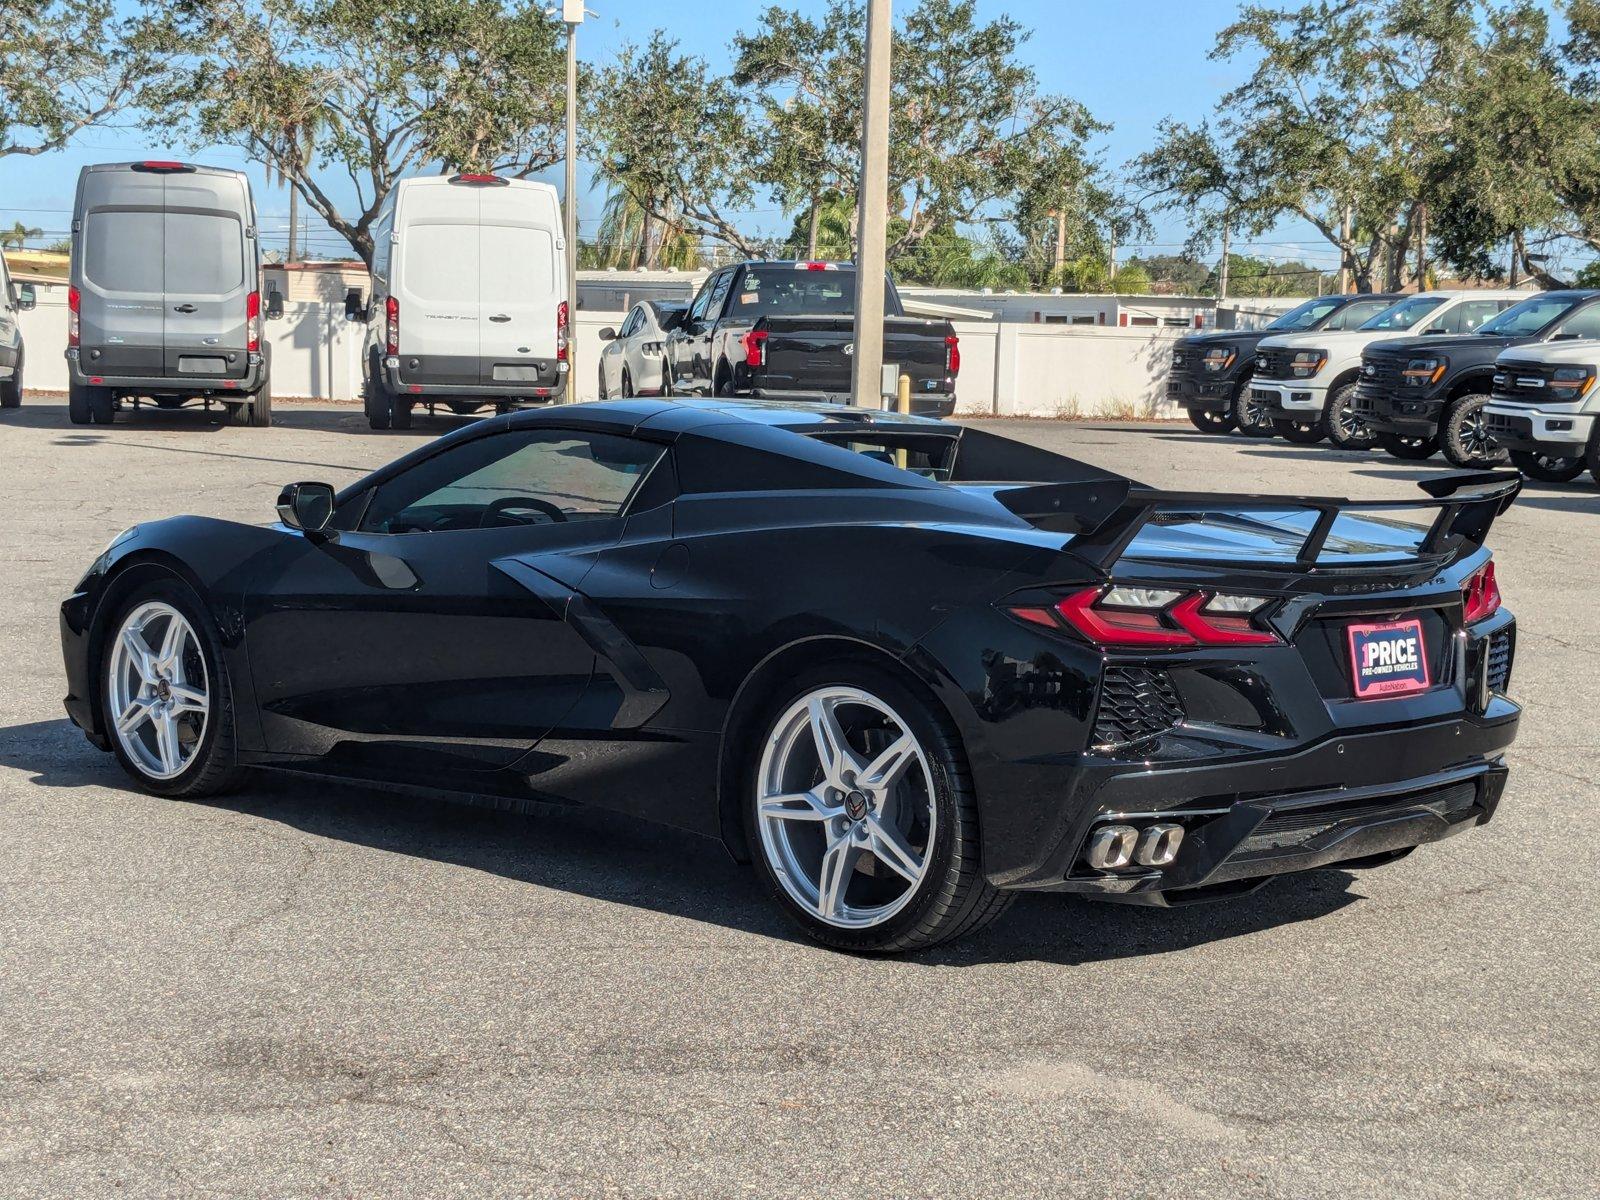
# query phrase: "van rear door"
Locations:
[[438, 285], [119, 242], [209, 266], [518, 287]]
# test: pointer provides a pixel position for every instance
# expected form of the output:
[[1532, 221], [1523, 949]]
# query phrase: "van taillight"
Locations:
[[252, 322], [74, 304], [561, 332], [481, 179], [952, 356], [755, 348], [162, 166], [391, 317]]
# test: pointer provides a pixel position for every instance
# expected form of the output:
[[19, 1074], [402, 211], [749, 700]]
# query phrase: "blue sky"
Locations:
[[1132, 65]]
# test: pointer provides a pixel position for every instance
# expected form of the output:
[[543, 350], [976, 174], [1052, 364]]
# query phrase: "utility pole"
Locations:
[[572, 17], [866, 372], [1222, 267], [1344, 251]]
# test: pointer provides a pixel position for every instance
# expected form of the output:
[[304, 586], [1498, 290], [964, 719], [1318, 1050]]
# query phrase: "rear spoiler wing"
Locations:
[[1107, 513]]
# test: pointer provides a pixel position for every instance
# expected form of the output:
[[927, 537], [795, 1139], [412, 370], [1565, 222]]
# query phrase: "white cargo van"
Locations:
[[468, 306]]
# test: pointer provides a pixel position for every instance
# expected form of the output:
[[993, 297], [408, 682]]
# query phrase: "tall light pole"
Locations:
[[866, 372], [572, 17]]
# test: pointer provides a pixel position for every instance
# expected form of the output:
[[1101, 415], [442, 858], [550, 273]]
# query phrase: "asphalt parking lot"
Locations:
[[319, 990]]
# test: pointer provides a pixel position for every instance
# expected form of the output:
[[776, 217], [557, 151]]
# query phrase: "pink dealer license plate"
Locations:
[[1390, 659]]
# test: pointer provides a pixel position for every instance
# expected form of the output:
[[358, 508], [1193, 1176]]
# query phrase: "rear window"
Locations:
[[930, 457], [517, 262], [441, 263], [122, 250], [205, 253], [787, 291]]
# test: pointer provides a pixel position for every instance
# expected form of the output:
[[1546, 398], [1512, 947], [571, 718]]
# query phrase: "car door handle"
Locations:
[[500, 318], [183, 308]]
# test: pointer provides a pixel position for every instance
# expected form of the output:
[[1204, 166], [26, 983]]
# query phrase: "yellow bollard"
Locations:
[[902, 403]]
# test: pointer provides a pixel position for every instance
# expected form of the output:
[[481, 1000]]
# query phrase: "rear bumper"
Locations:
[[176, 385], [1519, 427], [542, 391], [1351, 796]]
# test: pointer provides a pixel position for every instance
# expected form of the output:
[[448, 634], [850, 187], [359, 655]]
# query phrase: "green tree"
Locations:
[[392, 87], [66, 65], [673, 134], [17, 236]]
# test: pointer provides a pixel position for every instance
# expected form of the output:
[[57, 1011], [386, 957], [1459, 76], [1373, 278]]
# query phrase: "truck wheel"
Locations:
[[1251, 416], [11, 389], [102, 405], [1547, 468], [399, 412], [1211, 422], [1411, 449], [724, 385], [78, 404], [1464, 436], [374, 402], [1346, 430], [261, 407]]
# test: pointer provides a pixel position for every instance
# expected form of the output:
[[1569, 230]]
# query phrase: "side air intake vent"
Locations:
[[1135, 704]]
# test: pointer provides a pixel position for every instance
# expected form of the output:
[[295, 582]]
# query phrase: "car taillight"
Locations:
[[952, 355], [1480, 596], [561, 332], [1128, 617], [391, 325], [755, 348], [252, 322], [74, 304]]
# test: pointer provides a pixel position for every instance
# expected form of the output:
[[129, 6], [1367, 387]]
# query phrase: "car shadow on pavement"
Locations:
[[621, 860]]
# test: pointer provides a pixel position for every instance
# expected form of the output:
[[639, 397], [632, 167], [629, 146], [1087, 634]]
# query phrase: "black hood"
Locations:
[[1225, 337], [1489, 344]]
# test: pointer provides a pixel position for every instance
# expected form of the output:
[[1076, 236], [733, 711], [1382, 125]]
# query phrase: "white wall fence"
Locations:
[[1007, 369]]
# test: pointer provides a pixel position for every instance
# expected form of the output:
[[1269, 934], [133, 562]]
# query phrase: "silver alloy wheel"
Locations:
[[846, 807], [158, 695]]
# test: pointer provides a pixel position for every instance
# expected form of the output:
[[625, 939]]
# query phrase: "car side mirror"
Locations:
[[307, 507], [26, 298], [274, 305], [608, 334], [355, 305]]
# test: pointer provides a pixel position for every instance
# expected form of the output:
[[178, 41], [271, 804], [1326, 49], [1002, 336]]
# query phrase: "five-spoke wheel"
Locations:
[[159, 697]]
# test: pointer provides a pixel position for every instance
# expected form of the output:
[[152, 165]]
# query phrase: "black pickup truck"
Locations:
[[1423, 394], [1211, 371], [786, 331]]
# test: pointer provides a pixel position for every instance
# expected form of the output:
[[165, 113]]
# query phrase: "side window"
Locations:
[[527, 477], [697, 310], [631, 325], [719, 293], [1475, 312], [1585, 323]]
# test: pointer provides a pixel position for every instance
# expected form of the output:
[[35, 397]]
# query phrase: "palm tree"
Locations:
[[632, 235], [17, 236], [294, 146]]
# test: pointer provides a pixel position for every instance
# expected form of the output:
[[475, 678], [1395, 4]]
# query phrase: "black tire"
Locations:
[[953, 898], [1211, 422], [1592, 457], [260, 407], [1463, 436], [666, 376], [1547, 468], [601, 393], [399, 412], [102, 405], [374, 401], [1301, 433], [1250, 417], [1408, 448], [11, 389], [78, 404], [1344, 429], [214, 768], [627, 384], [724, 381], [464, 408]]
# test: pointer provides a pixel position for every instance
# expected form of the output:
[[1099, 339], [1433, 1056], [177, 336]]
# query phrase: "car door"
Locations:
[[681, 345], [433, 633], [615, 356]]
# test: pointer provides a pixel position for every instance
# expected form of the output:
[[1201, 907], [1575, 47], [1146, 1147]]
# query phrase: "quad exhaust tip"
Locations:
[[1113, 847]]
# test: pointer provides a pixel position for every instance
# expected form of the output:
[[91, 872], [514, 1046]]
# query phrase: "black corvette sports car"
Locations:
[[906, 668]]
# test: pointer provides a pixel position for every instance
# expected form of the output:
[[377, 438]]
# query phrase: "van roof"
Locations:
[[453, 180], [168, 164]]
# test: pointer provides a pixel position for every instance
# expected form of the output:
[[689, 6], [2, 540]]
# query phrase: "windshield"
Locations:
[[1352, 315], [1405, 314], [1305, 316], [1529, 317]]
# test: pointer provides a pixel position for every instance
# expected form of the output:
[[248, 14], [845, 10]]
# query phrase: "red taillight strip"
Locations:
[[1217, 629], [391, 331], [1110, 627], [74, 310], [952, 355], [252, 322], [755, 348], [561, 332], [1480, 597]]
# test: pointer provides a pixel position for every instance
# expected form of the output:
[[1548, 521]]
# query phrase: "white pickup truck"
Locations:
[[1544, 407], [1304, 383]]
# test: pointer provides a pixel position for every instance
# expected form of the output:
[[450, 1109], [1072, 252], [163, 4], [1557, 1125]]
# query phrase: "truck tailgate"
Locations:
[[814, 354]]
